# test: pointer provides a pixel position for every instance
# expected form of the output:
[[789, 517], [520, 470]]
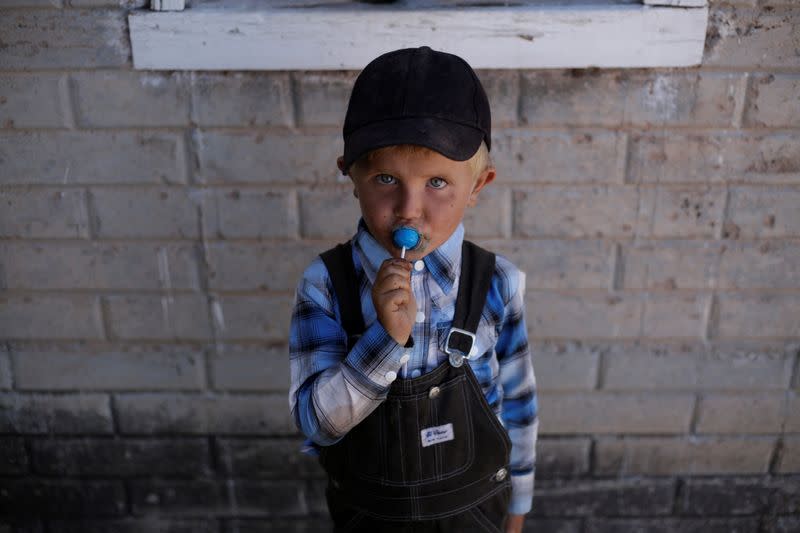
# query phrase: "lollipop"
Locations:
[[406, 238]]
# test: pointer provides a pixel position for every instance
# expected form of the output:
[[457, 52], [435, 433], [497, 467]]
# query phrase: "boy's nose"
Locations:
[[409, 205]]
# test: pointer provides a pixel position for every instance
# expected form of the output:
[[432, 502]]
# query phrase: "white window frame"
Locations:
[[655, 33]]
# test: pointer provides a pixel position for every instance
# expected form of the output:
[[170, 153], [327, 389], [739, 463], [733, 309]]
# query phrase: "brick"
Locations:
[[228, 214], [243, 99], [566, 365], [787, 494], [271, 498], [669, 264], [5, 369], [688, 212], [42, 38], [272, 267], [163, 368], [758, 315], [751, 38], [752, 265], [679, 316], [168, 317], [740, 413], [27, 265], [792, 413], [675, 456], [193, 414], [328, 214], [266, 458], [562, 458], [787, 524], [130, 98], [322, 97], [48, 497], [578, 212], [525, 156], [32, 3], [30, 101], [604, 498], [591, 315], [604, 412], [94, 457], [43, 214], [491, 217], [134, 525], [790, 456], [774, 101], [762, 212], [669, 525], [62, 414], [502, 89], [255, 317], [260, 369], [556, 263], [156, 213], [675, 157], [572, 97], [278, 157], [128, 4], [726, 497], [115, 157], [288, 525], [13, 456], [734, 366], [174, 497], [50, 317], [535, 524]]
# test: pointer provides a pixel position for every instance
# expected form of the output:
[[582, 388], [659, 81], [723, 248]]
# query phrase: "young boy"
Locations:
[[412, 376]]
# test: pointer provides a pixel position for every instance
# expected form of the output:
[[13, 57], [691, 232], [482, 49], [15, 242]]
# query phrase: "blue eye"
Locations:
[[437, 183], [385, 179]]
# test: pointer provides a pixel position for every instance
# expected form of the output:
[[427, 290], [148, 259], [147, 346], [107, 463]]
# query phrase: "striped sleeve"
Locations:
[[518, 383], [332, 389]]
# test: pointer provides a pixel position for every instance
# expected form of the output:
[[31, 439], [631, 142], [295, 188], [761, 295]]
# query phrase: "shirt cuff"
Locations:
[[521, 494], [376, 356]]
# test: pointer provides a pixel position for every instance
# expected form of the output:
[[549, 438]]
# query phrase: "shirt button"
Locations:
[[390, 376], [404, 359], [433, 393], [419, 264], [416, 373], [501, 474], [420, 316]]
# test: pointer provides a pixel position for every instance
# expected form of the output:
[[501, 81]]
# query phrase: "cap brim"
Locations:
[[451, 139]]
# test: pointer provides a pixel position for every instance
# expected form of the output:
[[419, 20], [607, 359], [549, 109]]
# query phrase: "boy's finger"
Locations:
[[392, 282]]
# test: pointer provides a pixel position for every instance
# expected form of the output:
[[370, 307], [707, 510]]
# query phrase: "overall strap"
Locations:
[[342, 271], [477, 269]]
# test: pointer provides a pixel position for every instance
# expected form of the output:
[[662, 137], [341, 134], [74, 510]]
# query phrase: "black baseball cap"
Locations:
[[417, 96]]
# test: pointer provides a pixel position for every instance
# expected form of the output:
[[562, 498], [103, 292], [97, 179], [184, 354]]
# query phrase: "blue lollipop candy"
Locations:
[[406, 238]]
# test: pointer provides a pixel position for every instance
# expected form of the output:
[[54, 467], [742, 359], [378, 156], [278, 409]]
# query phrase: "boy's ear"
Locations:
[[484, 179]]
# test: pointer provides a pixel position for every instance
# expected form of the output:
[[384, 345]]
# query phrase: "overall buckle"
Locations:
[[460, 347]]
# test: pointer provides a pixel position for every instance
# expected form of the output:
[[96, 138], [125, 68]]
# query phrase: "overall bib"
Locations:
[[433, 456]]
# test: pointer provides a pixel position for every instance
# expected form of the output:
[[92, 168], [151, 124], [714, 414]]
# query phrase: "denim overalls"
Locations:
[[433, 456]]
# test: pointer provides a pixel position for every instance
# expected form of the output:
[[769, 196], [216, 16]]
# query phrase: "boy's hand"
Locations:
[[394, 300]]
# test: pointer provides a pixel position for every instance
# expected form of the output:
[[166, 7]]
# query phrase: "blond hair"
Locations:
[[480, 160]]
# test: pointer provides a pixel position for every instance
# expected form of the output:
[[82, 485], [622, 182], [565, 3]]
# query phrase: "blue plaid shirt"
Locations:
[[332, 389]]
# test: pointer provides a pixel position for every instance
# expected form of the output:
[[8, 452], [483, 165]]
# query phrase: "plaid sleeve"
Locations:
[[518, 382], [332, 390]]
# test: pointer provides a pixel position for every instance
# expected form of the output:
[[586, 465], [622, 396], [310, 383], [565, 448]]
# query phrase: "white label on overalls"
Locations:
[[437, 434]]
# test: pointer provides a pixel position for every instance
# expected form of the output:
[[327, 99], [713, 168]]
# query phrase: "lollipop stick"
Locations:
[[403, 253]]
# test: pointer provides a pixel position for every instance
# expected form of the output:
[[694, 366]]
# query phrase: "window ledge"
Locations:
[[337, 34]]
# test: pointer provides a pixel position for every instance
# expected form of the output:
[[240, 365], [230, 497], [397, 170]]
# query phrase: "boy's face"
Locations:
[[421, 189]]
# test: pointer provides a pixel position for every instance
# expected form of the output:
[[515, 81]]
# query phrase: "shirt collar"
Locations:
[[443, 264]]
